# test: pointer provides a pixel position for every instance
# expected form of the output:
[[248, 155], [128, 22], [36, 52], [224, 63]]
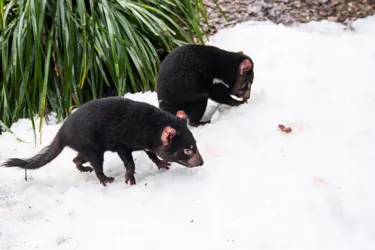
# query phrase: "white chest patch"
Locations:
[[219, 81]]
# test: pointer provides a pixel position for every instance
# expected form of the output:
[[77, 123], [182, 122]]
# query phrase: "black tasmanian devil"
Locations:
[[119, 125], [192, 73]]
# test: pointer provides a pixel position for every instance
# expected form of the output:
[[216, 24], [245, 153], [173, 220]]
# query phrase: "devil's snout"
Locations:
[[201, 162], [196, 160]]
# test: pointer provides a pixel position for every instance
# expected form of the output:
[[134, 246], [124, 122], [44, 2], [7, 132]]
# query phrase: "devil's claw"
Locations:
[[130, 181], [82, 168], [129, 178], [163, 164], [105, 180]]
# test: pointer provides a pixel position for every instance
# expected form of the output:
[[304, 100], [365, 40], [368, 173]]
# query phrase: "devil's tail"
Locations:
[[46, 155]]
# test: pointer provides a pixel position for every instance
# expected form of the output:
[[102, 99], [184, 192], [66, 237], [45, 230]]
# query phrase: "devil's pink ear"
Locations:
[[240, 52], [167, 135], [181, 114], [246, 65]]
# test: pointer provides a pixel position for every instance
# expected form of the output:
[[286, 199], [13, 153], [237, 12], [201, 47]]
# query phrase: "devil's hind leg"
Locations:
[[168, 106], [79, 160], [195, 111]]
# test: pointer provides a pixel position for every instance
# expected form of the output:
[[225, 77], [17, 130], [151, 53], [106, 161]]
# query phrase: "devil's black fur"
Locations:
[[120, 125], [187, 76]]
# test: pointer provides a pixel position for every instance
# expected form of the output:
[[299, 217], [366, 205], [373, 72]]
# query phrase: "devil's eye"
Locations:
[[187, 151]]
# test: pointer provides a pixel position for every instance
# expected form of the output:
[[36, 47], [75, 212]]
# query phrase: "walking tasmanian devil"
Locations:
[[192, 73], [119, 125]]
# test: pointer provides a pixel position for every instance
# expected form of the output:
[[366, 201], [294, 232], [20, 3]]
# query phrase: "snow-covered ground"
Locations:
[[259, 189]]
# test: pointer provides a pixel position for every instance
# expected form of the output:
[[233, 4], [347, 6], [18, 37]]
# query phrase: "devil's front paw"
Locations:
[[129, 178], [162, 164], [199, 123], [105, 179], [244, 102]]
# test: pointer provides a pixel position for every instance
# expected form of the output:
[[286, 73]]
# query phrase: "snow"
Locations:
[[259, 188]]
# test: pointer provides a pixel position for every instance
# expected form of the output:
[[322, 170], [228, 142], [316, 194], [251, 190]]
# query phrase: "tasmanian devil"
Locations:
[[192, 73], [119, 125]]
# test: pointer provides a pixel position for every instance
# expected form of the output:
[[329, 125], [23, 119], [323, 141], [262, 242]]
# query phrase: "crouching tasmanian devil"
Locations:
[[119, 125], [192, 73]]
